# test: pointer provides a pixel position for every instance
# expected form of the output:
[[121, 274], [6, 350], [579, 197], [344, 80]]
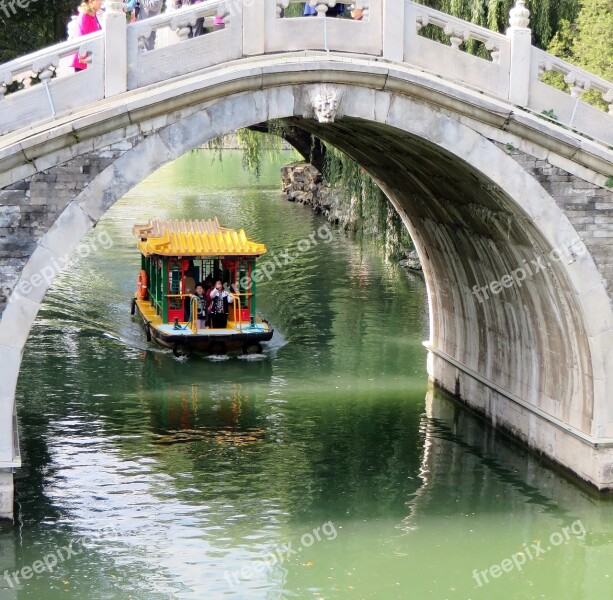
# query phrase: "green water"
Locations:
[[183, 478]]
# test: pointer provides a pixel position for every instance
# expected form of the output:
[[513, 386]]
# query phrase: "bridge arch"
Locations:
[[532, 356]]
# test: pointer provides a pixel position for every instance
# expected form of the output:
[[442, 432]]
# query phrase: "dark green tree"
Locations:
[[586, 42], [41, 23], [592, 46]]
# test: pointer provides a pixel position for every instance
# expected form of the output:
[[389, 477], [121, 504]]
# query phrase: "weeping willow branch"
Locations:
[[267, 138], [216, 145], [359, 194], [254, 143]]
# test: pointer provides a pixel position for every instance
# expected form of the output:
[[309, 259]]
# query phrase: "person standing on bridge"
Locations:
[[144, 10], [86, 22]]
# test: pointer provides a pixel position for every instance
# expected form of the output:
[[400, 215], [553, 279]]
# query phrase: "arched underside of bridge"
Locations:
[[532, 356]]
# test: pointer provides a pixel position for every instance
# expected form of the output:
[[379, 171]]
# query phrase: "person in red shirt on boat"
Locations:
[[220, 299], [86, 22]]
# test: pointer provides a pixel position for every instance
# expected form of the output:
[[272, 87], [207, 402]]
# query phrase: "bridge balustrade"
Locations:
[[175, 52], [489, 74], [568, 108], [40, 86], [43, 94], [277, 33]]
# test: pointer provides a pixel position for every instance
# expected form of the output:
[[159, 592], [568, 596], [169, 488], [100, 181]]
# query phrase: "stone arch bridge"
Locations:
[[510, 211]]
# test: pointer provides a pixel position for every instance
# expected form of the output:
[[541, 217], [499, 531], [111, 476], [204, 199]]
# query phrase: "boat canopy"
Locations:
[[194, 238]]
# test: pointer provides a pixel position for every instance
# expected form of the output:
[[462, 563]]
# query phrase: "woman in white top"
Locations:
[[220, 299]]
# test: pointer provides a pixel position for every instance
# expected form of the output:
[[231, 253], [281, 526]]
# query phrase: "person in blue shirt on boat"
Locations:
[[220, 299]]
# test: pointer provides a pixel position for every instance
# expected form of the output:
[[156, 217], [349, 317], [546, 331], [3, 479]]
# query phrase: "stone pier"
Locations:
[[6, 494]]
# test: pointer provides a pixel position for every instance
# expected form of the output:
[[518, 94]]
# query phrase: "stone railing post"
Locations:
[[115, 49], [519, 35], [256, 15], [393, 29]]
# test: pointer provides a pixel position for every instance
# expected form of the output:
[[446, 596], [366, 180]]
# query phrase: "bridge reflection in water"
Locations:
[[8, 590]]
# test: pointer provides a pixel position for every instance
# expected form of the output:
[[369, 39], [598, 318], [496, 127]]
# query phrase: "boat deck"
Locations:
[[232, 328], [149, 314]]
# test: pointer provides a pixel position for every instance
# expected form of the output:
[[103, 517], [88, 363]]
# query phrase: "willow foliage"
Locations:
[[28, 26], [586, 42], [360, 195], [545, 17], [592, 44], [255, 143], [294, 10]]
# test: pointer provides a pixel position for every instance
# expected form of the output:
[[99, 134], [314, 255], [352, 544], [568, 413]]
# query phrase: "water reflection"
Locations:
[[7, 564]]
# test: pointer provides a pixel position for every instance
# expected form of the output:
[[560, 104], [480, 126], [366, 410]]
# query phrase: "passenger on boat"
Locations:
[[208, 288], [202, 306], [220, 299]]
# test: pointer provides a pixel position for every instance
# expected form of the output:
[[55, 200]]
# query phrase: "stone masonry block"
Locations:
[[10, 216]]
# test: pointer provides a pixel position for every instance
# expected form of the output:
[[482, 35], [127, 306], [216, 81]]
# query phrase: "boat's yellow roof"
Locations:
[[194, 238]]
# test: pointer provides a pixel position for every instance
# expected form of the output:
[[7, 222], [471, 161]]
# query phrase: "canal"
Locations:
[[324, 468]]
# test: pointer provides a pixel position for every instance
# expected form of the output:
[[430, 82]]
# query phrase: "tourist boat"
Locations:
[[175, 255]]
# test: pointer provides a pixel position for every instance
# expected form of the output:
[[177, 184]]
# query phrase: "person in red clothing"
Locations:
[[87, 22]]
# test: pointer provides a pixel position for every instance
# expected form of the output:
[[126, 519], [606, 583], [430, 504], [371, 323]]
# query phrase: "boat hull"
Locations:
[[245, 339]]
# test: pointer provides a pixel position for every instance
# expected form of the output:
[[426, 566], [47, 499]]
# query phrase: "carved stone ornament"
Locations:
[[85, 53], [45, 67], [576, 86], [421, 21], [182, 23], [281, 6], [325, 100], [519, 15], [6, 79], [144, 32], [114, 7], [494, 47], [456, 35], [321, 6], [608, 98], [543, 68], [364, 7]]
